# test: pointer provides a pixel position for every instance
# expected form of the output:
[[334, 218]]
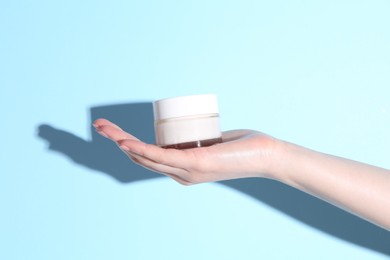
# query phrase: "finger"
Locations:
[[171, 172], [181, 181], [160, 168], [170, 157], [114, 133], [102, 121]]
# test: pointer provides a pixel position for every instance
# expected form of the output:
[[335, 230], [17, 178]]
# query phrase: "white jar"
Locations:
[[187, 121]]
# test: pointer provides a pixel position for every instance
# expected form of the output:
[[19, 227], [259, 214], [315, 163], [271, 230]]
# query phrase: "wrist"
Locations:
[[279, 161]]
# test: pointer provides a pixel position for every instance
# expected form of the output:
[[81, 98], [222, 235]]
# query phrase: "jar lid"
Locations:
[[185, 106]]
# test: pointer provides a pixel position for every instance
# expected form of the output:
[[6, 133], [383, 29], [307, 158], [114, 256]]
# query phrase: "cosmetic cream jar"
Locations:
[[187, 121]]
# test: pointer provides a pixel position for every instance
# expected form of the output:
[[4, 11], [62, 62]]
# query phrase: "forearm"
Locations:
[[359, 188]]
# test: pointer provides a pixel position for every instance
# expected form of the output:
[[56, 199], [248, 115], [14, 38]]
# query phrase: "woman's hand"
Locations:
[[356, 187], [243, 153]]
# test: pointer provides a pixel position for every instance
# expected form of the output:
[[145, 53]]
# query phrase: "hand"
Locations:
[[243, 153], [247, 153]]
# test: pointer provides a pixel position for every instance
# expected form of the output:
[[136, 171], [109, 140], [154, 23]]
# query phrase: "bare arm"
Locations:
[[359, 188]]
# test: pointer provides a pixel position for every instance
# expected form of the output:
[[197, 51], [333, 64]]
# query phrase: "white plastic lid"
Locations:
[[185, 106]]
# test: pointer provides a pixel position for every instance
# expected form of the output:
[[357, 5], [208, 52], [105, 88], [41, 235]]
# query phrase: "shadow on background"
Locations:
[[101, 155]]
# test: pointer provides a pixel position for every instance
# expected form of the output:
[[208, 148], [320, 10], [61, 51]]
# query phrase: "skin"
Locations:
[[361, 189]]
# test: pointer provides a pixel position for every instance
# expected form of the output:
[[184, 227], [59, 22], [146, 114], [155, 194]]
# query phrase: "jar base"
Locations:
[[194, 144]]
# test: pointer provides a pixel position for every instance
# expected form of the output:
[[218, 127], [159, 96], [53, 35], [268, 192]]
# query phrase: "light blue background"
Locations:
[[311, 72]]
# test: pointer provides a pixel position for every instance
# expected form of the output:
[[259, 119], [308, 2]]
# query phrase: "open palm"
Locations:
[[243, 153]]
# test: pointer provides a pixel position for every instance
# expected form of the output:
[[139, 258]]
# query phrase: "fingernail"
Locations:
[[102, 133], [95, 123]]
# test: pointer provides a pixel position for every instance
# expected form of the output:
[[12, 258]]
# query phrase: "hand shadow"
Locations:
[[101, 155]]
